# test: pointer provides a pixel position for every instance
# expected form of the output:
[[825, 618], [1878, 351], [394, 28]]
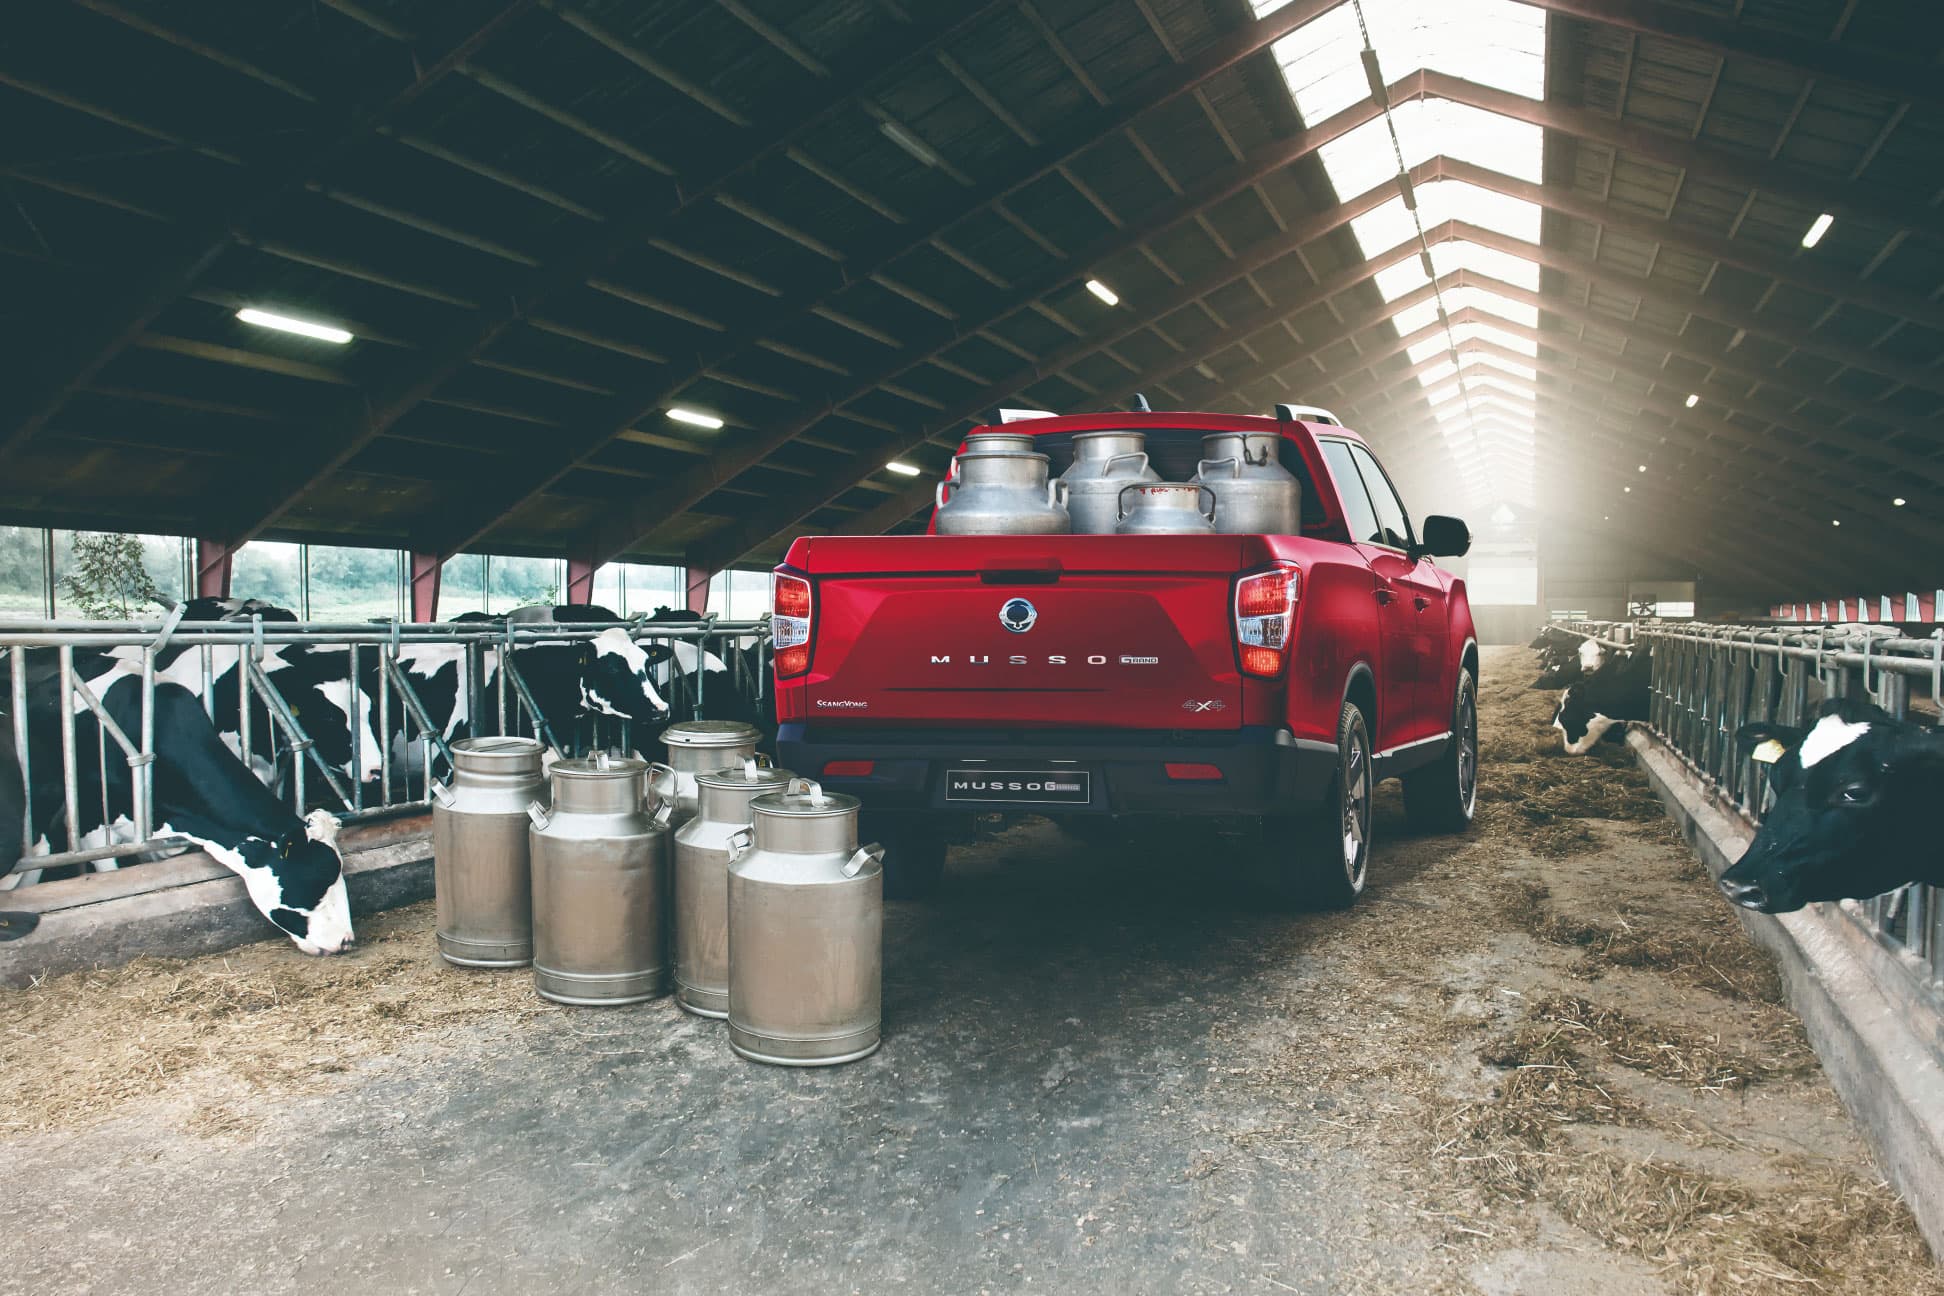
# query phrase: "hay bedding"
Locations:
[[211, 1037], [1561, 975]]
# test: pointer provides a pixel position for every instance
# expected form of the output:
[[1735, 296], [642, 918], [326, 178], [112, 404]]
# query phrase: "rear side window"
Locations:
[[1357, 508], [1390, 510]]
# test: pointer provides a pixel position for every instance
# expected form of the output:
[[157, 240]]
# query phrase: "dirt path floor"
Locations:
[[1537, 1060]]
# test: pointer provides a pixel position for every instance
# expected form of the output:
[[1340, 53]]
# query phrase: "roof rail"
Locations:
[[1307, 414], [1003, 415]]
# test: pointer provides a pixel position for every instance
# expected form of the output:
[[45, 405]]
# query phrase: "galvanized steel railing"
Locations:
[[220, 647], [1709, 680]]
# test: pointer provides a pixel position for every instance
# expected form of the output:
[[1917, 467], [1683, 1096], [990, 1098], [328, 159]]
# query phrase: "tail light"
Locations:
[[790, 607], [1265, 614]]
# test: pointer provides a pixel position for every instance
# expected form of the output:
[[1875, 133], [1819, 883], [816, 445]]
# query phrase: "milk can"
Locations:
[[1254, 493], [600, 885], [1166, 508], [1001, 492], [702, 882], [994, 439], [695, 746], [480, 884], [1103, 462], [806, 931]]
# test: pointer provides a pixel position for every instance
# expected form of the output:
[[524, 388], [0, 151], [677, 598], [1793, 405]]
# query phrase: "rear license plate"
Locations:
[[1035, 787]]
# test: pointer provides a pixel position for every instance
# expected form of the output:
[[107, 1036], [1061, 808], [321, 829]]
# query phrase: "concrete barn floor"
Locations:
[[1106, 1070]]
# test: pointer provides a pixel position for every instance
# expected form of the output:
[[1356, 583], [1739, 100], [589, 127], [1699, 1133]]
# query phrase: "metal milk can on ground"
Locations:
[[480, 874], [600, 884], [696, 746], [701, 928], [806, 932]]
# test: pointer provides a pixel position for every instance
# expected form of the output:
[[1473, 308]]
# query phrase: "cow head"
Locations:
[[614, 678], [295, 878], [1850, 800]]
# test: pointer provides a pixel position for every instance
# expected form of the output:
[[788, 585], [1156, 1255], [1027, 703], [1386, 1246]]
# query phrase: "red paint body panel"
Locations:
[[907, 632]]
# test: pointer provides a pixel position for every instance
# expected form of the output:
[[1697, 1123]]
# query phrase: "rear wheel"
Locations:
[[1441, 797], [914, 851], [1319, 861]]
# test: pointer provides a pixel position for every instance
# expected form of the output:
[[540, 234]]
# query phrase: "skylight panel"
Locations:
[[1413, 318], [1493, 42], [1474, 359], [1428, 128]]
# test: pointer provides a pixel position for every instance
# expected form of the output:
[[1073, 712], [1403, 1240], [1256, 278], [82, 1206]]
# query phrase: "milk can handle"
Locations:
[[665, 811], [657, 767], [862, 856], [540, 815], [441, 793], [1056, 492], [1210, 513], [1139, 456], [739, 843], [1235, 466], [803, 787], [1120, 512], [939, 495]]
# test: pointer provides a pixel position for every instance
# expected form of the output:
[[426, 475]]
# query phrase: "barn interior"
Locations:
[[632, 294]]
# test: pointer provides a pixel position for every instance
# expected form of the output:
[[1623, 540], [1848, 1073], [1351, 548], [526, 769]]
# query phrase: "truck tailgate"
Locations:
[[1026, 632]]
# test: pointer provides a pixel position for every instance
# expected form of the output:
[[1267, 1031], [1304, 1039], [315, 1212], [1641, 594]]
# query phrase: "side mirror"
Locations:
[[1444, 537]]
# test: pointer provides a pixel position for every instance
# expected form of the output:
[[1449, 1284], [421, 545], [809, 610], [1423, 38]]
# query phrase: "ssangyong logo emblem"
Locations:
[[1018, 615]]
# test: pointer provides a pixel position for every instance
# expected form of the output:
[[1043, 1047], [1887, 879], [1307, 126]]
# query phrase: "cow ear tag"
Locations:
[[1769, 752]]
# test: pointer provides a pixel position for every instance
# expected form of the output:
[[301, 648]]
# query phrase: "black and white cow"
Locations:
[[1852, 812], [1566, 665], [1619, 691], [203, 793]]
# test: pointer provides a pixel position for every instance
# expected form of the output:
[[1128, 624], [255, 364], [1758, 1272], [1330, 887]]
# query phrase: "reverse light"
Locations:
[[790, 606], [1265, 613]]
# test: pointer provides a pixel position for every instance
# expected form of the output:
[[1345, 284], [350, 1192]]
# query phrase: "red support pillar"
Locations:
[[425, 571], [213, 568], [580, 581], [698, 589]]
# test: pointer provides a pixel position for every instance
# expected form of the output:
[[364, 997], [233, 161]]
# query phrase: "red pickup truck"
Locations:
[[1270, 680]]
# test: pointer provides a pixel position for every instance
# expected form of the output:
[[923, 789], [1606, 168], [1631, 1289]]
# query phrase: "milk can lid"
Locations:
[[746, 775], [710, 733], [600, 766], [805, 799]]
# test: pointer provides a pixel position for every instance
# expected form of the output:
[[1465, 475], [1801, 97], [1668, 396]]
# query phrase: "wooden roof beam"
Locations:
[[473, 519], [1875, 206], [575, 266], [1912, 80], [111, 329]]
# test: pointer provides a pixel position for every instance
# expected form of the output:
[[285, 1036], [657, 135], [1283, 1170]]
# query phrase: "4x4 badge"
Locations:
[[1210, 704], [1017, 615]]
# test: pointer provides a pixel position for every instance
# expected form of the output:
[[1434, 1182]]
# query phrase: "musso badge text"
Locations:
[[1014, 785], [1052, 659]]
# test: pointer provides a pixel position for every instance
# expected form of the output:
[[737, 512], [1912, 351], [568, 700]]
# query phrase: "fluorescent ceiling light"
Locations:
[[1835, 521], [696, 417], [286, 324], [1898, 502], [910, 143], [1103, 292], [1816, 231], [1205, 371], [902, 469], [1643, 467], [1693, 400], [1628, 489]]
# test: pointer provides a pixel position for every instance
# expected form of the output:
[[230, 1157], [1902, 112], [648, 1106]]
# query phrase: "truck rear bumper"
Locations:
[[1249, 771]]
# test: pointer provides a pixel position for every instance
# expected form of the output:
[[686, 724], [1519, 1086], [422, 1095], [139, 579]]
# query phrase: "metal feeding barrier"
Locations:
[[373, 683], [1710, 680]]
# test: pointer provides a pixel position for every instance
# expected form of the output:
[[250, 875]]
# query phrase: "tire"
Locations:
[[914, 852], [1321, 860], [1442, 797]]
